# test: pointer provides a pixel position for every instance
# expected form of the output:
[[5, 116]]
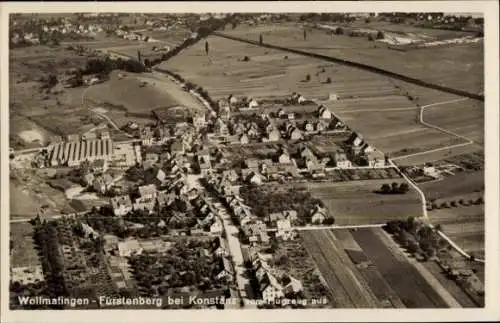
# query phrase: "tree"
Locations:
[[404, 188], [305, 34], [394, 187], [328, 80], [380, 35], [260, 39], [308, 77], [385, 189], [339, 31], [453, 203], [370, 37], [206, 47]]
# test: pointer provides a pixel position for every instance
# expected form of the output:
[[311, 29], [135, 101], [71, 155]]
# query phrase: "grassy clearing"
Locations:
[[342, 200]]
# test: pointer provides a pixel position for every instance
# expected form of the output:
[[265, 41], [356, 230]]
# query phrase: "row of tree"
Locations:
[[394, 188]]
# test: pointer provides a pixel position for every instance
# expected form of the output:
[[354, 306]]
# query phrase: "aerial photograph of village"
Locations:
[[246, 160]]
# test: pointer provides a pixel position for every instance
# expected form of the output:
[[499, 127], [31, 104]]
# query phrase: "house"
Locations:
[[321, 125], [270, 288], [284, 157], [291, 285], [301, 99], [121, 205], [308, 126], [204, 164], [199, 120], [252, 163], [356, 139], [88, 179], [148, 191], [216, 227], [99, 166], [147, 137], [333, 97], [375, 158], [324, 113], [284, 229], [253, 227], [255, 178], [221, 128], [318, 215], [129, 247], [243, 139], [230, 175], [281, 113], [89, 136], [226, 271], [219, 247], [341, 160], [291, 116], [295, 134], [273, 134], [252, 104], [144, 204], [177, 147], [165, 198], [238, 128], [103, 183]]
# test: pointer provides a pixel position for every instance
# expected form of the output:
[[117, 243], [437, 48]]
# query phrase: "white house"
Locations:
[[216, 227], [319, 214], [324, 113], [121, 205], [270, 288], [253, 104], [148, 191], [284, 229]]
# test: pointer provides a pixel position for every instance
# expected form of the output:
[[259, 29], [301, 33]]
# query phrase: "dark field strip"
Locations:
[[406, 281], [371, 275]]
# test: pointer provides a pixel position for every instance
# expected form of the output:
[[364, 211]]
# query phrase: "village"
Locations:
[[219, 202]]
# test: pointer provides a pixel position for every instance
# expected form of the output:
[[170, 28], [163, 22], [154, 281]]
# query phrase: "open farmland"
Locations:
[[268, 74], [464, 223], [465, 118], [397, 132], [436, 64], [341, 199], [364, 271]]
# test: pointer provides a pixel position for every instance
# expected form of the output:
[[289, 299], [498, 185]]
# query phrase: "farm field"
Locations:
[[463, 224], [396, 132], [436, 64], [24, 253], [460, 183], [465, 118], [268, 74], [342, 200], [364, 271]]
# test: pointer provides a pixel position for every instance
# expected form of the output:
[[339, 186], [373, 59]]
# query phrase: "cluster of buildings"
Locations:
[[363, 153], [272, 284], [270, 126]]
